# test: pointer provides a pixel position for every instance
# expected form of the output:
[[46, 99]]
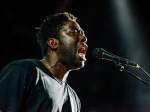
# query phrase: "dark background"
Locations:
[[100, 86]]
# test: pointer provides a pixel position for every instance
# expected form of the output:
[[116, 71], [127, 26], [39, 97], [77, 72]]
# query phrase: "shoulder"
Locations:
[[26, 64], [20, 70]]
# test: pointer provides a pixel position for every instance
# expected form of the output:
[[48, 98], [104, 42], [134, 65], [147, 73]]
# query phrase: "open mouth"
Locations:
[[82, 52]]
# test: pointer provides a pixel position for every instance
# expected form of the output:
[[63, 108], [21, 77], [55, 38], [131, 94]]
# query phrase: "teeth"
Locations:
[[82, 56], [81, 53]]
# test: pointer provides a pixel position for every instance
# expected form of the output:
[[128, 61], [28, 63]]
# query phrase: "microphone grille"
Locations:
[[97, 52]]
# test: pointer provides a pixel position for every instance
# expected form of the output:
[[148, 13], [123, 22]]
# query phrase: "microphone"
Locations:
[[102, 54]]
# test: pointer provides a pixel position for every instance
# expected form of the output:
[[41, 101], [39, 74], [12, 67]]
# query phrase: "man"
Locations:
[[32, 85]]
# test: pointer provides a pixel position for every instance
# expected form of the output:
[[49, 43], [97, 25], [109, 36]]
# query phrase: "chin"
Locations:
[[77, 63], [78, 66]]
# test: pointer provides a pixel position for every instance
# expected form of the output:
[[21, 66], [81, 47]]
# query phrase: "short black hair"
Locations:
[[50, 28]]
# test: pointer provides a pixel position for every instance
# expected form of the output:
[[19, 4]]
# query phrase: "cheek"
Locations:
[[68, 47], [65, 50], [67, 42], [69, 50], [68, 39], [65, 39]]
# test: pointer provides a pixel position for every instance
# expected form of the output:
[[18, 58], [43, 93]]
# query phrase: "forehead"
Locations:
[[70, 25]]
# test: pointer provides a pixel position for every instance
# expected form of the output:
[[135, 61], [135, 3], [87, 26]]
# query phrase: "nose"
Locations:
[[83, 38]]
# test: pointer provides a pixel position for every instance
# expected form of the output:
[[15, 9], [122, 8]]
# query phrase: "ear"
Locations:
[[53, 43]]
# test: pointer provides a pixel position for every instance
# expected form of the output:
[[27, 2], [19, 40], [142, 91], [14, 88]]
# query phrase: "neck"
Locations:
[[56, 68]]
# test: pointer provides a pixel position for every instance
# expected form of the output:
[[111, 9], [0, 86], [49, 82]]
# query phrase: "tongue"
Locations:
[[81, 50]]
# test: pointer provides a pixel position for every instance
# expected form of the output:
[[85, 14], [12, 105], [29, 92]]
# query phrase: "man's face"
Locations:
[[73, 47]]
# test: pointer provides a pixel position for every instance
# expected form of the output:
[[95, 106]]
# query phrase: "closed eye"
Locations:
[[77, 32]]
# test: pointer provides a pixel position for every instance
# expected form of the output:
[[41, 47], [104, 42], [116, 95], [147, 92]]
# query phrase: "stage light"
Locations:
[[132, 44]]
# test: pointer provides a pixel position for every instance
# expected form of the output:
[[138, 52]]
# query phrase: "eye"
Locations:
[[75, 32]]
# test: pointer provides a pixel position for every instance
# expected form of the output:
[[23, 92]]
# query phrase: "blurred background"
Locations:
[[121, 27]]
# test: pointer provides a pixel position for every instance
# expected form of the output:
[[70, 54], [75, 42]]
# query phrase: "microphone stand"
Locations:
[[121, 68]]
